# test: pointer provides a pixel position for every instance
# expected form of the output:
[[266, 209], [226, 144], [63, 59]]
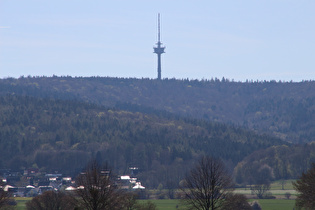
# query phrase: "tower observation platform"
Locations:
[[159, 50]]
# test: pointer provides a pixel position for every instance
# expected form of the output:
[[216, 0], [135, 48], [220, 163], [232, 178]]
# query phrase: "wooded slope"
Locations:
[[62, 135], [285, 110], [286, 162]]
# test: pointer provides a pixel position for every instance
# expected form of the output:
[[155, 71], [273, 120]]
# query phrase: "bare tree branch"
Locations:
[[97, 189], [51, 200], [207, 185], [4, 195]]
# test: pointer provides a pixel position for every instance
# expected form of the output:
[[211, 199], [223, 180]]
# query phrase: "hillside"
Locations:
[[285, 110], [286, 161], [62, 135]]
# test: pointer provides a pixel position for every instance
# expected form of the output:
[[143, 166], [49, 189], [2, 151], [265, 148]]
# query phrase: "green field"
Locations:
[[276, 204], [287, 185], [21, 203], [167, 204], [277, 188], [266, 204]]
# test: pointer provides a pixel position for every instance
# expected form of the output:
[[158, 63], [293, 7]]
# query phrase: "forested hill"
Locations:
[[62, 135], [284, 109], [285, 161]]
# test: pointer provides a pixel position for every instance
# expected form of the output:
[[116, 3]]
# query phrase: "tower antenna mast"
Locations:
[[159, 31], [159, 49]]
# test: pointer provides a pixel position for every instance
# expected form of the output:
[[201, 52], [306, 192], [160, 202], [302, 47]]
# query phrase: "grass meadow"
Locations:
[[278, 189], [167, 204], [266, 204]]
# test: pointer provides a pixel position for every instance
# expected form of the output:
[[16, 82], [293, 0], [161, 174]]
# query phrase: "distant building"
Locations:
[[126, 182]]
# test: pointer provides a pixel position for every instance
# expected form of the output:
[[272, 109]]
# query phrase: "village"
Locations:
[[31, 182]]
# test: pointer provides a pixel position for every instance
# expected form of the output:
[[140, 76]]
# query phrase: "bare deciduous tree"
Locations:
[[260, 190], [255, 205], [263, 178], [145, 206], [4, 195], [236, 201], [97, 189], [306, 189], [51, 200], [208, 185], [287, 195], [129, 202]]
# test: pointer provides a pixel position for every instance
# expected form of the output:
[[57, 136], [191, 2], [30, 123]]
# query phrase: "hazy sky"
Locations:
[[235, 39]]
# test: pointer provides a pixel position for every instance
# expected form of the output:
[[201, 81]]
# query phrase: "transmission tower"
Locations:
[[159, 49]]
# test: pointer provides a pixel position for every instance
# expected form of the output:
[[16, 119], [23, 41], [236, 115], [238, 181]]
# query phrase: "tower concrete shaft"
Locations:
[[159, 49]]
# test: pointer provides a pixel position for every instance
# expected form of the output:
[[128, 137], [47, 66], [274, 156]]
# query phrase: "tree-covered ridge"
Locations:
[[285, 161], [286, 118], [281, 108], [64, 135]]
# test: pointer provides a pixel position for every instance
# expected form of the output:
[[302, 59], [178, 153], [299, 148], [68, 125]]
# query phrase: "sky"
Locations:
[[236, 39]]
